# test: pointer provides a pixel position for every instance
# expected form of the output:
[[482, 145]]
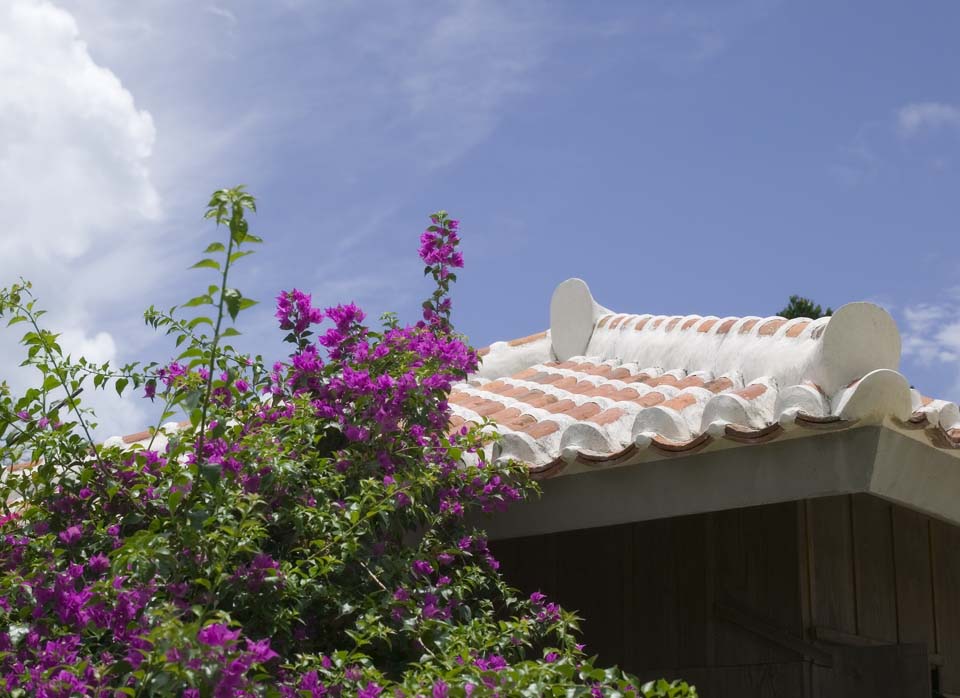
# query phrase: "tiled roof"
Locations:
[[606, 388]]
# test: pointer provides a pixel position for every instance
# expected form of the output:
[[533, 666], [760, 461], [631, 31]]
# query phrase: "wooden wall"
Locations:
[[759, 601]]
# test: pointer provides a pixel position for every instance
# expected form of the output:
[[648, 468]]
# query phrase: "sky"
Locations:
[[700, 157]]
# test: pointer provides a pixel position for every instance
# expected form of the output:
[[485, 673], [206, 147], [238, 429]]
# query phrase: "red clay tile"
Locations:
[[748, 325], [680, 402], [624, 395], [582, 388], [458, 398], [673, 323], [602, 390], [771, 326], [539, 430], [545, 378], [561, 407], [139, 436], [690, 382], [519, 423], [617, 320], [525, 374], [707, 324], [817, 331], [640, 325], [483, 352], [752, 391], [726, 326], [475, 401], [718, 385], [541, 400], [603, 370], [516, 393], [797, 329], [604, 320], [690, 323], [566, 383], [657, 321], [607, 416], [504, 416], [585, 411], [650, 399], [639, 378], [497, 387], [665, 379], [526, 340], [488, 408]]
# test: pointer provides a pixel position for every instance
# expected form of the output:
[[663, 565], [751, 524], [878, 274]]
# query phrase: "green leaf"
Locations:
[[209, 263], [237, 255], [230, 332], [198, 300], [120, 385], [232, 298], [214, 247]]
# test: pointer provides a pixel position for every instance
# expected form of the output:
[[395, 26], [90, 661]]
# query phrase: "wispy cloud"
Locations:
[[931, 338], [893, 143], [222, 12], [915, 118]]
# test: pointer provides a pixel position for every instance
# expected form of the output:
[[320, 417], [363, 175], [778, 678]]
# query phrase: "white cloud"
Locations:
[[921, 116], [98, 348], [932, 333], [73, 146], [75, 183]]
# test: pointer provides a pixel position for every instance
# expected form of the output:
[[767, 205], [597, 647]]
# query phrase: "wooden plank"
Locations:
[[528, 563], [733, 613], [876, 593], [832, 597], [911, 553], [945, 547], [654, 601], [783, 680], [590, 569], [756, 564], [690, 574], [890, 671]]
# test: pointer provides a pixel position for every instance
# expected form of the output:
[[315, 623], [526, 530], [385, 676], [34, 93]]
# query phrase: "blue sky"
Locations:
[[698, 157]]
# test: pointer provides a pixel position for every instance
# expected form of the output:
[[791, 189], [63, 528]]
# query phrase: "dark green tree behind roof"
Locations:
[[803, 307]]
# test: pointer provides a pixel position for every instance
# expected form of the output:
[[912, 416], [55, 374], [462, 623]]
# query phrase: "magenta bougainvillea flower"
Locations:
[[311, 532]]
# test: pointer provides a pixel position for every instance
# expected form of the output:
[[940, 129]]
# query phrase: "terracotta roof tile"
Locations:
[[526, 340], [726, 325], [676, 386], [771, 326]]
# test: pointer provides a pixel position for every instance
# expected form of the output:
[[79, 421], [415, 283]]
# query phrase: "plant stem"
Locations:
[[215, 341]]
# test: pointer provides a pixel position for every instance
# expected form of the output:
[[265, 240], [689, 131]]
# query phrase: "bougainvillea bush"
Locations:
[[306, 533]]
